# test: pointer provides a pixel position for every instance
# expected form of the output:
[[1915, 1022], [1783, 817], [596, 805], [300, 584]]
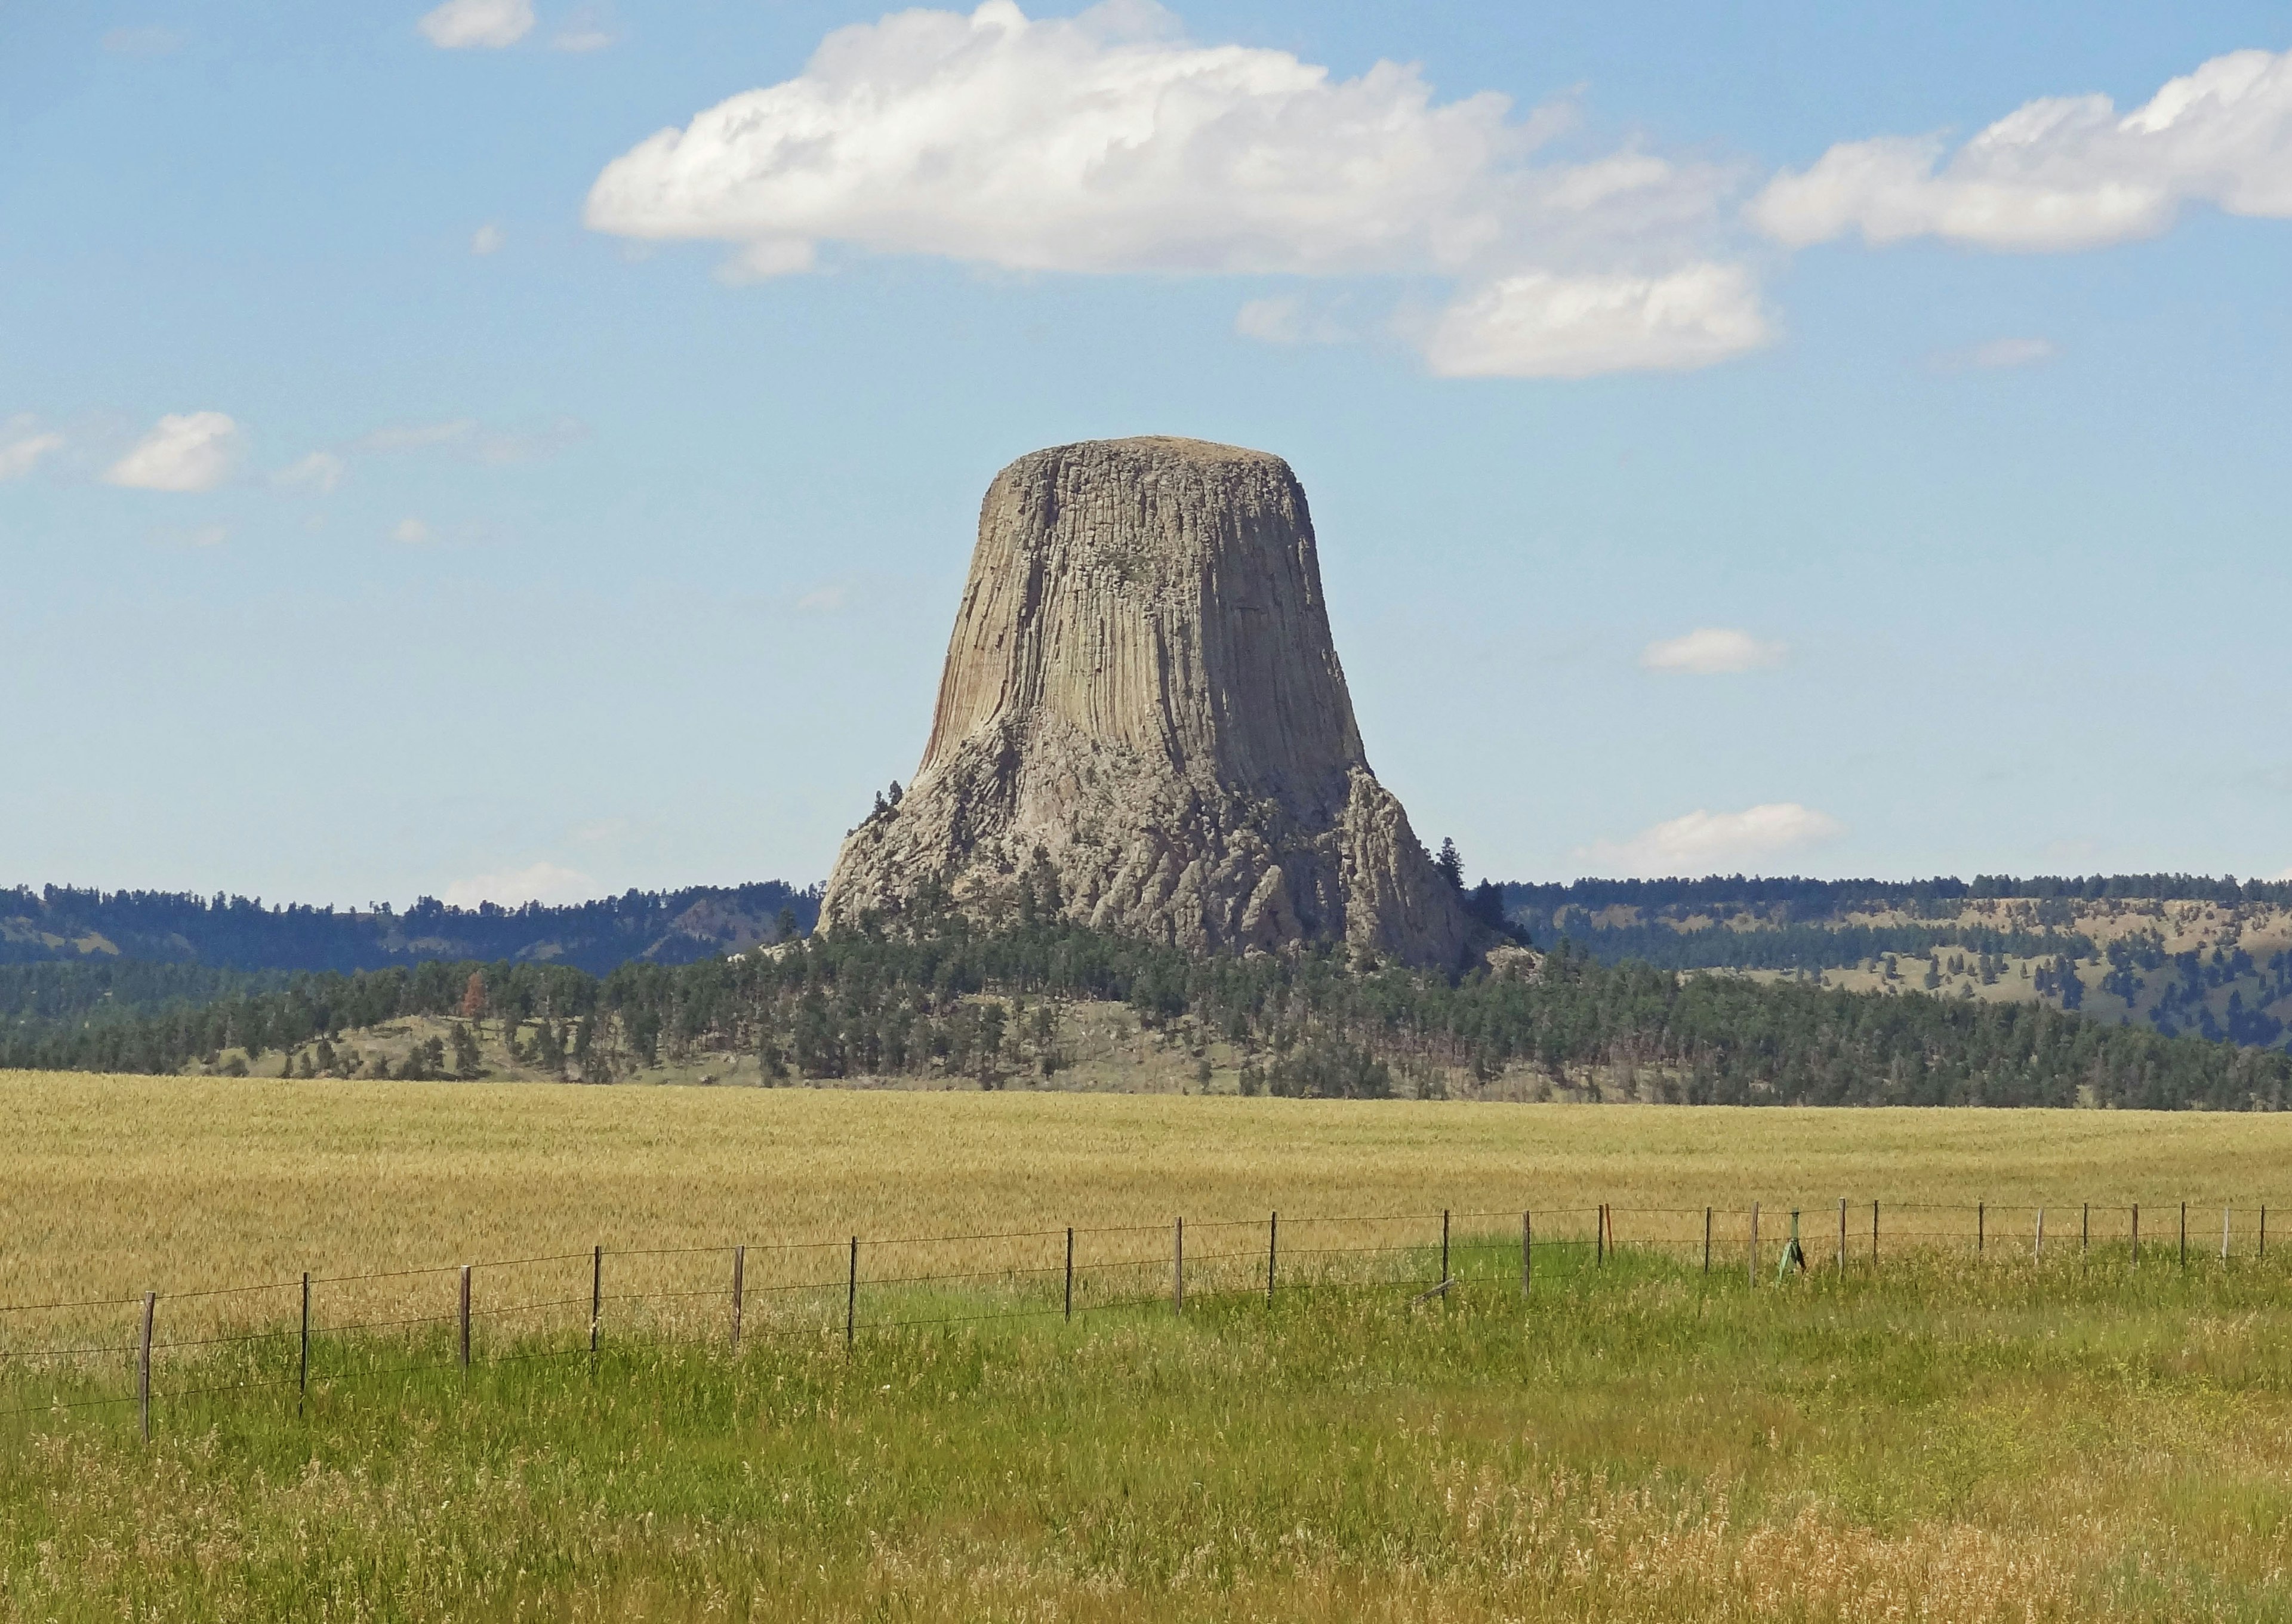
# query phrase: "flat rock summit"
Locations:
[[1143, 725]]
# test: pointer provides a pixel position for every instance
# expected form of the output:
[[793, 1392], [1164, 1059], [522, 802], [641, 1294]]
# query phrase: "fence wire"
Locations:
[[100, 1352]]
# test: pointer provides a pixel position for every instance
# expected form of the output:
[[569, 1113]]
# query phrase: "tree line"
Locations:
[[1810, 898], [956, 1001], [1795, 947], [242, 933]]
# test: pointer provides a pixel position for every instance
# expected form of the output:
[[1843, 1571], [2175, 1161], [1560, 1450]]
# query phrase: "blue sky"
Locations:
[[1791, 437]]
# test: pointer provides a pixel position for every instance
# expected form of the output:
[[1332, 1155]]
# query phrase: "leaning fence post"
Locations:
[[1842, 1234], [739, 1290], [596, 1300], [2224, 1215], [1272, 1252], [1178, 1268], [465, 1318], [852, 1292], [1526, 1251], [1069, 1271], [2037, 1252], [1600, 1235], [143, 1365], [1755, 1243], [1444, 1244], [303, 1374]]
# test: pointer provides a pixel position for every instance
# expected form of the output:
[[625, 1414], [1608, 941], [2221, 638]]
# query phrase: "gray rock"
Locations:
[[1143, 725]]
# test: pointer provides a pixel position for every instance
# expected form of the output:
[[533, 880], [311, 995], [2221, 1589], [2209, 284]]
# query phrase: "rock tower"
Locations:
[[1143, 725]]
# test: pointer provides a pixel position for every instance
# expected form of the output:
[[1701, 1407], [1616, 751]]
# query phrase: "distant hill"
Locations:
[[2184, 954], [65, 924]]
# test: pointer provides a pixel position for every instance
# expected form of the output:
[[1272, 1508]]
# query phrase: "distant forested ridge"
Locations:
[[1823, 898], [960, 1002], [2176, 952], [63, 924]]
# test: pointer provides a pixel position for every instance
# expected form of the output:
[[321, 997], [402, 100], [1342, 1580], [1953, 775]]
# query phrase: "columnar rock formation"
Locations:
[[1143, 724]]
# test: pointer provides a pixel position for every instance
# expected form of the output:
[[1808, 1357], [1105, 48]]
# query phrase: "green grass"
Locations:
[[1942, 1440]]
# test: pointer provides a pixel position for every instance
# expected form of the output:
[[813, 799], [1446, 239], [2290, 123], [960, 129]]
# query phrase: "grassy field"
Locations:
[[1942, 1437], [129, 1183]]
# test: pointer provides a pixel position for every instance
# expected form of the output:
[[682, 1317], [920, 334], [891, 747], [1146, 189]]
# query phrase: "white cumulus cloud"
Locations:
[[22, 444], [1541, 325], [2060, 173], [486, 239], [541, 882], [460, 25], [1711, 650], [194, 451], [1707, 842], [1110, 144]]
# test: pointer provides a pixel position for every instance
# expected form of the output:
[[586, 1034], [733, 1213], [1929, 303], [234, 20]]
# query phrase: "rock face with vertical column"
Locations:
[[1142, 726]]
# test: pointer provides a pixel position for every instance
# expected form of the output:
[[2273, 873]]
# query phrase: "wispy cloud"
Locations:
[[587, 27], [467, 437], [484, 25], [320, 471], [22, 444], [142, 42], [488, 239], [540, 881], [1706, 842], [1997, 355], [194, 451], [1711, 650], [410, 530]]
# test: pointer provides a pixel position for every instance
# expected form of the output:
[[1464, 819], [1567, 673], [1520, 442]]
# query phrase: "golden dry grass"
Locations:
[[185, 1183]]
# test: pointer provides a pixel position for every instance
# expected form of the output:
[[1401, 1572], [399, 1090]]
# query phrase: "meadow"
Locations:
[[1934, 1436]]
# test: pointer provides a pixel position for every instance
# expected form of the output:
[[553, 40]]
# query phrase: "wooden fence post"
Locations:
[[2224, 1216], [143, 1365], [1874, 1234], [1178, 1267], [739, 1290], [2085, 1231], [852, 1293], [1069, 1271], [1272, 1252], [2136, 1234], [1706, 1240], [1526, 1251], [2038, 1251], [2184, 1234], [1599, 1236], [1444, 1244], [1842, 1234], [596, 1301], [1755, 1243], [1980, 1227], [2263, 1230], [465, 1319], [302, 1375]]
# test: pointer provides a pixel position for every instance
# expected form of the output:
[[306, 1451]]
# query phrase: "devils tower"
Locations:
[[1143, 725]]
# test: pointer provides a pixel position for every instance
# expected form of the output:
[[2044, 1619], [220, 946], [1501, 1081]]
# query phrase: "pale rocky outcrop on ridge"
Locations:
[[1142, 721]]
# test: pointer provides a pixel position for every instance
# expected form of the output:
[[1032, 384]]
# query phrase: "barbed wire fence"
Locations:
[[321, 1331]]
